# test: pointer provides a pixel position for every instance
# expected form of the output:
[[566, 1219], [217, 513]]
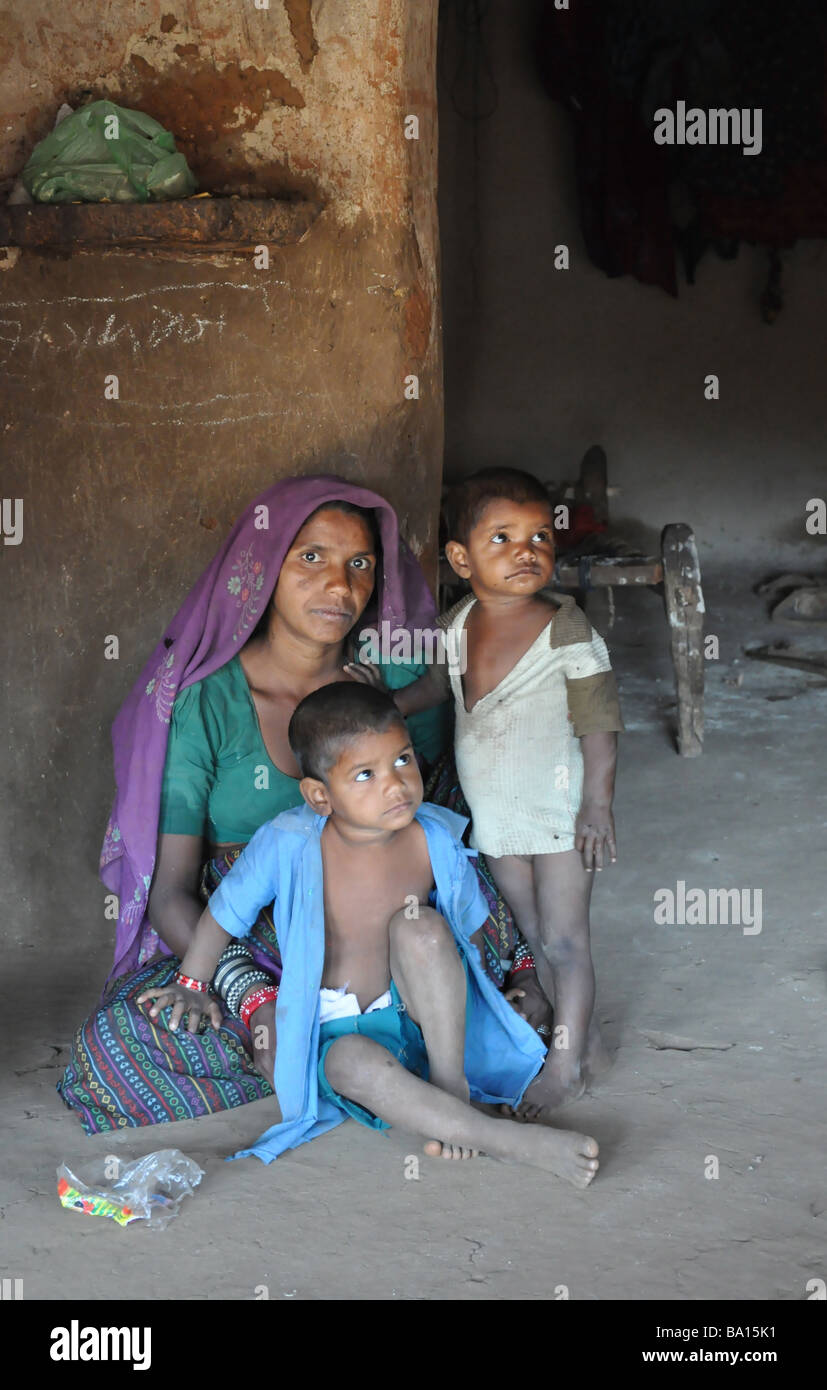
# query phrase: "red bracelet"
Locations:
[[525, 962], [255, 1000], [200, 986]]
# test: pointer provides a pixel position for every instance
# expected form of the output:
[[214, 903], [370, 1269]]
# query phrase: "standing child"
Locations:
[[537, 717], [384, 1010]]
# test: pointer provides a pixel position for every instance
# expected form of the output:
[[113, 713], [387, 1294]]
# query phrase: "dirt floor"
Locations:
[[340, 1219]]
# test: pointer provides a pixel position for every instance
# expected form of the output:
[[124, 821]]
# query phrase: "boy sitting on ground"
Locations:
[[384, 1009]]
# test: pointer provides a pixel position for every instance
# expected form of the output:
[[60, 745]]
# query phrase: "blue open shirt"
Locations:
[[282, 864]]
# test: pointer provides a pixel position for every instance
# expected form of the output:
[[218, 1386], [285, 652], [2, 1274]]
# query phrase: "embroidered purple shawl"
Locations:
[[213, 623]]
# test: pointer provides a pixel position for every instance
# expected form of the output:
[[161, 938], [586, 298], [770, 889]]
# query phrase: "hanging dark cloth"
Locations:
[[614, 63]]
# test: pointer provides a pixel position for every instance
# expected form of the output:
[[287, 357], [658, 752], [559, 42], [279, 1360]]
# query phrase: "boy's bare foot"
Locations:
[[572, 1157], [362, 1069], [458, 1087]]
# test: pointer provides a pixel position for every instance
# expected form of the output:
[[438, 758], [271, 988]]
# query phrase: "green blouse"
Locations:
[[219, 781]]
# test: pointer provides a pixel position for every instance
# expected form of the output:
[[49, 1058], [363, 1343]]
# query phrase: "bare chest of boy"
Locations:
[[495, 645], [362, 890]]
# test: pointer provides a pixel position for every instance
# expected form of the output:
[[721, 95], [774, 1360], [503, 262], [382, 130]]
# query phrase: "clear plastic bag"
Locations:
[[105, 152], [151, 1188]]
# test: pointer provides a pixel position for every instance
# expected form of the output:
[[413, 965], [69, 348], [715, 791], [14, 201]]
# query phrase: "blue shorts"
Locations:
[[394, 1029]]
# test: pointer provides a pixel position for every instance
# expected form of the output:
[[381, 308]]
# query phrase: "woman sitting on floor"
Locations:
[[202, 760]]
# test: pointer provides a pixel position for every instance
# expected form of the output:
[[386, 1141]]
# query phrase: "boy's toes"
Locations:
[[434, 1149]]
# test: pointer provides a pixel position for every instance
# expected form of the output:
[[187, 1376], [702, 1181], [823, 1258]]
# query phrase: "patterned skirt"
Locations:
[[127, 1069]]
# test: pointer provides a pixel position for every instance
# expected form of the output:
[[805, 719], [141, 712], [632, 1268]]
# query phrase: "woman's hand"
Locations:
[[529, 1001], [366, 673], [183, 1001], [263, 1037]]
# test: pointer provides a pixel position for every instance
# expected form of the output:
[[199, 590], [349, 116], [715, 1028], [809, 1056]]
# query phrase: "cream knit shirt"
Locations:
[[518, 756]]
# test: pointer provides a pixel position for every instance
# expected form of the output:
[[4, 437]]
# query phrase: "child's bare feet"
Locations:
[[597, 1059], [362, 1069], [458, 1087], [556, 1085], [559, 1083], [434, 1149], [570, 1156]]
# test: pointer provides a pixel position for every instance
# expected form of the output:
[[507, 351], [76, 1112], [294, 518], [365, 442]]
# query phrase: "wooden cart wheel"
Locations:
[[685, 612]]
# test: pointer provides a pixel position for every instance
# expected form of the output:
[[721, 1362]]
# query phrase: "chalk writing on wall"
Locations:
[[140, 321]]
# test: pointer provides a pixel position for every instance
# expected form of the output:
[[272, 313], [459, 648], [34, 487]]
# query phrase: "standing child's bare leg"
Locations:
[[514, 876], [554, 918], [563, 894], [367, 1073]]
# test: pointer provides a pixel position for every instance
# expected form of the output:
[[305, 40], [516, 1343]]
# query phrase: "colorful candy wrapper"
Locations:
[[148, 1189], [94, 1204]]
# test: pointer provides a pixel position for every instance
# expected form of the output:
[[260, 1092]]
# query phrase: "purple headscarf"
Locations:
[[213, 623]]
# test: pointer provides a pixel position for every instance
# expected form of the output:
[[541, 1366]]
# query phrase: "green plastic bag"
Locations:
[[104, 151]]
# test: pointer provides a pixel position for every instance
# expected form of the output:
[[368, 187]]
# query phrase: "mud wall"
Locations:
[[229, 376]]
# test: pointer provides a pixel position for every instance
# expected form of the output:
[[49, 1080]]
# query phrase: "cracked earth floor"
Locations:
[[339, 1218]]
